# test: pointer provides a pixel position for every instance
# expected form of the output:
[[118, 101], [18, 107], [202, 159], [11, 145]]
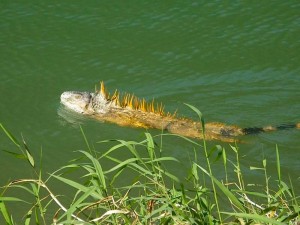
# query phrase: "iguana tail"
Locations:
[[256, 130]]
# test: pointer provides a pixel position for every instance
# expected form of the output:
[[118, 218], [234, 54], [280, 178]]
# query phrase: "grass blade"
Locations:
[[225, 190], [5, 213], [98, 169], [28, 217], [75, 206], [85, 139], [278, 164], [10, 136], [255, 217], [122, 164], [16, 155], [10, 199], [150, 146], [76, 185], [28, 154], [199, 115]]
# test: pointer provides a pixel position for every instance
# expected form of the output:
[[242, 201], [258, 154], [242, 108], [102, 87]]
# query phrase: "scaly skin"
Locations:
[[131, 111]]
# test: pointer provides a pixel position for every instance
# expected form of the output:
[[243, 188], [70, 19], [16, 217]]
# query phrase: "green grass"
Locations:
[[152, 194]]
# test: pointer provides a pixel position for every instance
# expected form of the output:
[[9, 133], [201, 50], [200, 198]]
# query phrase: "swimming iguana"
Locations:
[[128, 110]]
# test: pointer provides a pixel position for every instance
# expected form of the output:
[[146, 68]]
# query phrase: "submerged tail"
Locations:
[[256, 130]]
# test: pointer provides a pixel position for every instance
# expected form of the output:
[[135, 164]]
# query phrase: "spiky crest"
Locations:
[[133, 102]]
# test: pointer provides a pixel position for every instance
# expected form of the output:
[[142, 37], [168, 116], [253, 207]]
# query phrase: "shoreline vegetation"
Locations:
[[153, 195]]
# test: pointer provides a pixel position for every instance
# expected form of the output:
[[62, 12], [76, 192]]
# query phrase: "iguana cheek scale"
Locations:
[[128, 110]]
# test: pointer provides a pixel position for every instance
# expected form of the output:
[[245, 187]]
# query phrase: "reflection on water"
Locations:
[[67, 116]]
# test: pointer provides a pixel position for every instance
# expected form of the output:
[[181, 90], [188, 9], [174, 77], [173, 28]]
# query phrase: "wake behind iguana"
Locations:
[[128, 110]]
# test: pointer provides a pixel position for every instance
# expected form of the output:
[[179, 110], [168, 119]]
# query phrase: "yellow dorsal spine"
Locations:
[[133, 102], [102, 90]]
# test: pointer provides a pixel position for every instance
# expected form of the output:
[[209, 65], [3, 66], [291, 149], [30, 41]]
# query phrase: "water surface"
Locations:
[[238, 63]]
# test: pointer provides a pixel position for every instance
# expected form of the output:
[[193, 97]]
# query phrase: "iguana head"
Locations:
[[76, 101], [88, 103]]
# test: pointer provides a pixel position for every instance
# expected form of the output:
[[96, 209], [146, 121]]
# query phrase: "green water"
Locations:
[[237, 62]]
